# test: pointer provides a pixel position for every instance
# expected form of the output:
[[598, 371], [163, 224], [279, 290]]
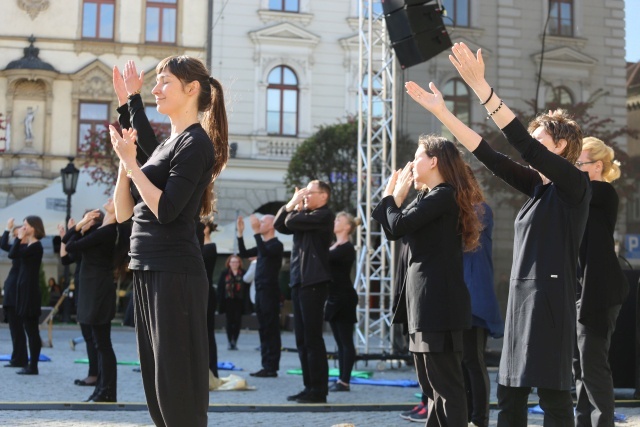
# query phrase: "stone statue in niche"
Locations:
[[28, 123]]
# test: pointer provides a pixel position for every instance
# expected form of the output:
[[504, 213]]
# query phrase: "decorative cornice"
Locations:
[[268, 16], [33, 7], [573, 42]]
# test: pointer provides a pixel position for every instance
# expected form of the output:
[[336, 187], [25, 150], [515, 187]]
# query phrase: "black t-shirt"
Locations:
[[182, 168]]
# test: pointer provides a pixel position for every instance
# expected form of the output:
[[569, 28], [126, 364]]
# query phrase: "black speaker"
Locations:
[[416, 31]]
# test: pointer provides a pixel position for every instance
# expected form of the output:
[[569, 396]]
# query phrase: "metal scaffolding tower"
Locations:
[[376, 161]]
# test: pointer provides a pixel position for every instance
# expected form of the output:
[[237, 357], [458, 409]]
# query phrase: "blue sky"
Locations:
[[632, 19]]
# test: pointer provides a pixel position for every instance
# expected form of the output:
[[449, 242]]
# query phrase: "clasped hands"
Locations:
[[297, 200], [399, 184], [125, 146]]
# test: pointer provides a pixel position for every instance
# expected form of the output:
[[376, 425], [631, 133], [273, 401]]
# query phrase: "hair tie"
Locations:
[[212, 80]]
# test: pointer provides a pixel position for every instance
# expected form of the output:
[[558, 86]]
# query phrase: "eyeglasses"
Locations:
[[580, 164]]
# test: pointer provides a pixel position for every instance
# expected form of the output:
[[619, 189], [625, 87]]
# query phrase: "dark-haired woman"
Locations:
[[438, 226], [19, 354], [340, 310], [233, 294], [28, 286], [97, 301], [164, 196], [541, 313]]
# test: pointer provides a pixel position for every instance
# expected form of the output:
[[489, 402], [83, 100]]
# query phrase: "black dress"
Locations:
[[28, 296]]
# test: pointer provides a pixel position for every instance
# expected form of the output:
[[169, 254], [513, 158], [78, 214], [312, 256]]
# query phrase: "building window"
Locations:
[[377, 105], [97, 19], [93, 118], [161, 21], [285, 5], [282, 102], [559, 96], [457, 98], [561, 17], [457, 12]]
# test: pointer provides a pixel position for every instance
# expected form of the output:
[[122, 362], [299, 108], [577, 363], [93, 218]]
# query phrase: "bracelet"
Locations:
[[129, 173], [488, 99], [496, 110], [133, 94]]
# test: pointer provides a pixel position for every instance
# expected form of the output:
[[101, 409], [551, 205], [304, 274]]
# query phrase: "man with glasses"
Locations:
[[310, 220]]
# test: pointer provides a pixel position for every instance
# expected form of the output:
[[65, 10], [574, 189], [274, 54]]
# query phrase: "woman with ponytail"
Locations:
[[602, 288], [439, 225], [165, 196]]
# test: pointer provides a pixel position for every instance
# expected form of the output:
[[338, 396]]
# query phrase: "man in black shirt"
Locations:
[[310, 220], [269, 252]]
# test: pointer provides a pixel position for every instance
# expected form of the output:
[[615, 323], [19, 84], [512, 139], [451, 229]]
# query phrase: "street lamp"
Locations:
[[69, 183]]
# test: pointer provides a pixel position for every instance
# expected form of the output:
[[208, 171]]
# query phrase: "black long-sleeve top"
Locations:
[[541, 312], [10, 283], [268, 263], [343, 298], [435, 297], [96, 247], [602, 283], [312, 233], [28, 297]]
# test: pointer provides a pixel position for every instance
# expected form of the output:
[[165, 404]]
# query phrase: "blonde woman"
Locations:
[[602, 289]]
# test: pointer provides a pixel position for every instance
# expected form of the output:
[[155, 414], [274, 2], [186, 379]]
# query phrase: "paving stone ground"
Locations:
[[46, 396]]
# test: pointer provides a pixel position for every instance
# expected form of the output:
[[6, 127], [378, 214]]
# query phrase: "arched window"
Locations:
[[282, 102], [458, 100], [559, 95]]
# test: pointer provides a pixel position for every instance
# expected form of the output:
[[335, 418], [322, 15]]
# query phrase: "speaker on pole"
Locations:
[[416, 30]]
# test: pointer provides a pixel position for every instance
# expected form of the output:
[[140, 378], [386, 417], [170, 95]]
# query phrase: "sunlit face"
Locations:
[[27, 229], [423, 165], [266, 224], [170, 93], [592, 167], [341, 224], [314, 198], [234, 263], [545, 139]]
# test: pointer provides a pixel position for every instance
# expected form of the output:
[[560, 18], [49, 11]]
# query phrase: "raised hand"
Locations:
[[432, 101], [71, 223], [471, 68], [403, 184], [10, 224], [61, 231], [391, 184], [240, 225], [21, 232], [255, 223], [297, 199], [119, 87], [132, 80], [124, 145]]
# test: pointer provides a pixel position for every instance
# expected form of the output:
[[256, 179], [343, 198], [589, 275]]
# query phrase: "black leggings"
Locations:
[[343, 334], [107, 365], [35, 343], [233, 309], [92, 354]]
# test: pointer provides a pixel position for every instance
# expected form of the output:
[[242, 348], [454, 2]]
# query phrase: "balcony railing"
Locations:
[[275, 147]]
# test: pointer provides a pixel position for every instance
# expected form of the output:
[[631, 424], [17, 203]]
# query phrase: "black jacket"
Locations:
[[312, 233]]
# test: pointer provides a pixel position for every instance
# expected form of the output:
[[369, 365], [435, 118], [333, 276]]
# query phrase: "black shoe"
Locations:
[[295, 397], [14, 365], [338, 386], [28, 371], [406, 414], [84, 383], [103, 398], [263, 373], [312, 398]]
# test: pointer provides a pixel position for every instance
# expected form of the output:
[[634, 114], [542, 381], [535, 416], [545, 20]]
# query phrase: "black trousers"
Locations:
[[268, 313], [211, 331], [170, 318], [19, 355], [31, 327], [234, 307], [343, 334], [107, 364], [308, 319], [476, 376], [594, 384], [440, 377], [92, 354], [556, 404]]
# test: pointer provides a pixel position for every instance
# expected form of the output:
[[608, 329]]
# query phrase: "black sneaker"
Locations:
[[338, 386], [263, 373], [312, 398], [420, 416], [406, 414], [295, 397]]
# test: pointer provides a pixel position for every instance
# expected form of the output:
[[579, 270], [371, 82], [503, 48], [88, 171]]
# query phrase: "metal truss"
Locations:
[[376, 162]]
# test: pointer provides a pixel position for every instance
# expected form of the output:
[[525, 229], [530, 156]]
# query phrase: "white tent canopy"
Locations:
[[51, 203]]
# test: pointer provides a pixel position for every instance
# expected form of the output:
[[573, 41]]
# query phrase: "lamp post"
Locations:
[[69, 183]]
